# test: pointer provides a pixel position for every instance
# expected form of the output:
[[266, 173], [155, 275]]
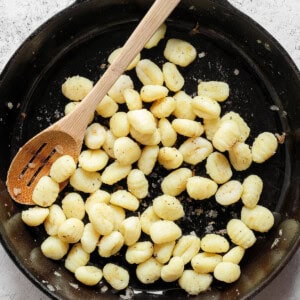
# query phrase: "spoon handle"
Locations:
[[156, 15]]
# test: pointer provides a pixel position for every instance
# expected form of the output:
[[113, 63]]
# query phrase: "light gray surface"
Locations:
[[20, 17]]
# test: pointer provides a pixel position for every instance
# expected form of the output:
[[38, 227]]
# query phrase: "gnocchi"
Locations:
[[157, 36], [115, 172], [84, 181], [62, 168], [54, 219], [234, 255], [95, 136], [173, 79], [75, 88], [139, 252], [163, 252], [205, 107], [188, 128], [173, 270], [71, 230], [88, 275], [126, 151], [119, 124], [151, 92], [226, 136], [194, 283], [93, 160], [149, 73], [216, 90], [125, 199], [164, 231], [89, 238], [148, 159], [264, 146], [183, 109], [240, 156], [195, 150], [116, 276], [214, 243], [45, 192], [149, 271], [76, 258], [131, 230], [168, 208], [107, 107], [258, 218], [54, 248], [200, 188], [187, 247], [176, 181], [218, 167], [34, 216], [205, 262], [229, 193], [133, 99], [73, 206], [252, 189], [240, 234], [163, 108], [137, 183], [110, 244], [167, 133], [179, 52], [170, 157], [227, 272], [142, 121], [116, 92]]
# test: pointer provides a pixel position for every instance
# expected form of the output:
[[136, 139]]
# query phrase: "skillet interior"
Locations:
[[78, 41]]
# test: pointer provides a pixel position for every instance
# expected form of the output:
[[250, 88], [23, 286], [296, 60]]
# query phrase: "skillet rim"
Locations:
[[234, 11]]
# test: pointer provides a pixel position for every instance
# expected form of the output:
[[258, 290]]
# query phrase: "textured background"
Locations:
[[20, 17]]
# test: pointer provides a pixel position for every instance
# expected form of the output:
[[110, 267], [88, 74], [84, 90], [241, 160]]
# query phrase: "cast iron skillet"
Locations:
[[265, 87]]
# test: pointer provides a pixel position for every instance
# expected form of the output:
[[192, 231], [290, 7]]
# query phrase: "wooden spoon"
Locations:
[[35, 158]]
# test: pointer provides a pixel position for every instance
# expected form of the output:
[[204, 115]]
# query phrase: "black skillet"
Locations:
[[265, 87]]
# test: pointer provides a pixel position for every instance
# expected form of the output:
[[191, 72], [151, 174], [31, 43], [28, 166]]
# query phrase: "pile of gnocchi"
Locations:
[[94, 218]]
